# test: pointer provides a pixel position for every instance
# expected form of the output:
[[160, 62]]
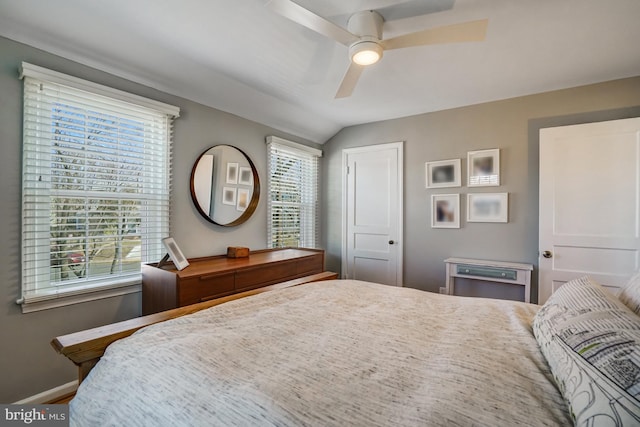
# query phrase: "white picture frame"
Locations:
[[488, 207], [445, 211], [176, 255], [245, 176], [443, 173], [243, 199], [483, 168], [229, 196], [232, 173]]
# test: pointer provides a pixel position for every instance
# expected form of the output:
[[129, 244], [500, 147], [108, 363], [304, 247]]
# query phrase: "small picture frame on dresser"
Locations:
[[178, 258]]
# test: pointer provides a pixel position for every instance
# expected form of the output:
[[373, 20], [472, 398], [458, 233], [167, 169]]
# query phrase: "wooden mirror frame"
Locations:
[[255, 196]]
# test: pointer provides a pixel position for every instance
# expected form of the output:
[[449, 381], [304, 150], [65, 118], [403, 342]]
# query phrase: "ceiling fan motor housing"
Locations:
[[367, 25]]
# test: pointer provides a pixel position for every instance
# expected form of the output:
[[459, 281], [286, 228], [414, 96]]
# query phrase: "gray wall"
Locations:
[[510, 125], [28, 364]]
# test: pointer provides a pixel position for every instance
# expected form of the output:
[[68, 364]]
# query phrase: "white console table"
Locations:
[[490, 271]]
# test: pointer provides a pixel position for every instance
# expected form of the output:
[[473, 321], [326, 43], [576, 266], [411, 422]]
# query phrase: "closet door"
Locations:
[[372, 224], [589, 204]]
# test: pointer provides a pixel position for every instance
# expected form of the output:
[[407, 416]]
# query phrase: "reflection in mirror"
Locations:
[[225, 186]]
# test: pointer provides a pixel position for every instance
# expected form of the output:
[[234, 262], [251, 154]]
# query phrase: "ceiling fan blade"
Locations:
[[349, 80], [304, 17], [472, 31]]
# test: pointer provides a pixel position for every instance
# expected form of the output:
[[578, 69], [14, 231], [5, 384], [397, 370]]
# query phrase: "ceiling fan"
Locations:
[[363, 36]]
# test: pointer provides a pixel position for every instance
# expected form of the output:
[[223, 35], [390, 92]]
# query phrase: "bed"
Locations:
[[347, 352]]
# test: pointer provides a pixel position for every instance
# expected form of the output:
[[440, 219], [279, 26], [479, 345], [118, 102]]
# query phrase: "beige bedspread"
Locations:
[[334, 353]]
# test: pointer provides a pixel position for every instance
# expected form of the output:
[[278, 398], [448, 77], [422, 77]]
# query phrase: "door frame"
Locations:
[[399, 146]]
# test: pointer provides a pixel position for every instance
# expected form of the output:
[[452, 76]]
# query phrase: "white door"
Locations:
[[589, 204], [372, 223]]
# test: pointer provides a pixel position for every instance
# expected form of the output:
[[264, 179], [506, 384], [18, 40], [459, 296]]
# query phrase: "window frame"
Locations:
[[311, 189], [34, 298]]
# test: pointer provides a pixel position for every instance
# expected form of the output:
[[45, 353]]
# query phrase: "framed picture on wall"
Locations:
[[488, 207], [445, 210], [243, 199], [229, 195], [232, 173], [483, 167], [443, 173], [245, 176]]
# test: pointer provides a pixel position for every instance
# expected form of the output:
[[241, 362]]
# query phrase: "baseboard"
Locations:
[[50, 395]]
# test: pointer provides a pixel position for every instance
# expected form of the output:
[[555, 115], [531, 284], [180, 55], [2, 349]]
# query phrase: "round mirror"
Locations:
[[225, 186]]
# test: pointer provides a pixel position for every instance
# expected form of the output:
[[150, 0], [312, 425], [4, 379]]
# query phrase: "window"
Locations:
[[293, 194], [95, 188]]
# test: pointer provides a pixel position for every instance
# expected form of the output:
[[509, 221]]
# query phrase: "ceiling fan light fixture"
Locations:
[[366, 52]]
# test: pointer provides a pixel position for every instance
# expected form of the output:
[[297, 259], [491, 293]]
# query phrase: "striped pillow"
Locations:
[[592, 344], [630, 294]]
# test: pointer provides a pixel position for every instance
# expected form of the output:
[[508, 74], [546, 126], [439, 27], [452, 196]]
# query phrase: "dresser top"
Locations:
[[220, 264]]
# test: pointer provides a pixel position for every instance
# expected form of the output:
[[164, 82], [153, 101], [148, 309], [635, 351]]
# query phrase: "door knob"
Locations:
[[391, 242], [547, 254]]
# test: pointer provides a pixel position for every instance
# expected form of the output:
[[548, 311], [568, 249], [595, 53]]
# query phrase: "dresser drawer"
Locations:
[[265, 275], [205, 287], [309, 265]]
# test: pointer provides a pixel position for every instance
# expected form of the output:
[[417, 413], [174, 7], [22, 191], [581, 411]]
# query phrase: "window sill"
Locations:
[[79, 295]]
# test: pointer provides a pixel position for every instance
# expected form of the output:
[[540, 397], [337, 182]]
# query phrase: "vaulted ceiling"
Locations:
[[241, 57]]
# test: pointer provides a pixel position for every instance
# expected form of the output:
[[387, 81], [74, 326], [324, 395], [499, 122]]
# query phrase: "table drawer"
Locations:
[[489, 272], [206, 287]]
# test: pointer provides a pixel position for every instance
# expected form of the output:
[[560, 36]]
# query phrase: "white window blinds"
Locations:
[[95, 187], [293, 194]]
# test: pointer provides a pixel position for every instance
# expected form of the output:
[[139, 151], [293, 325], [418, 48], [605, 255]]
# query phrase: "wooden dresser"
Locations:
[[212, 277]]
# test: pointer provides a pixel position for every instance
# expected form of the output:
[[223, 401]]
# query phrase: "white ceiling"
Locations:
[[240, 57]]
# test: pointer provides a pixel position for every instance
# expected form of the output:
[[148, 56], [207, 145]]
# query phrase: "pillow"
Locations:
[[630, 294], [592, 344]]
